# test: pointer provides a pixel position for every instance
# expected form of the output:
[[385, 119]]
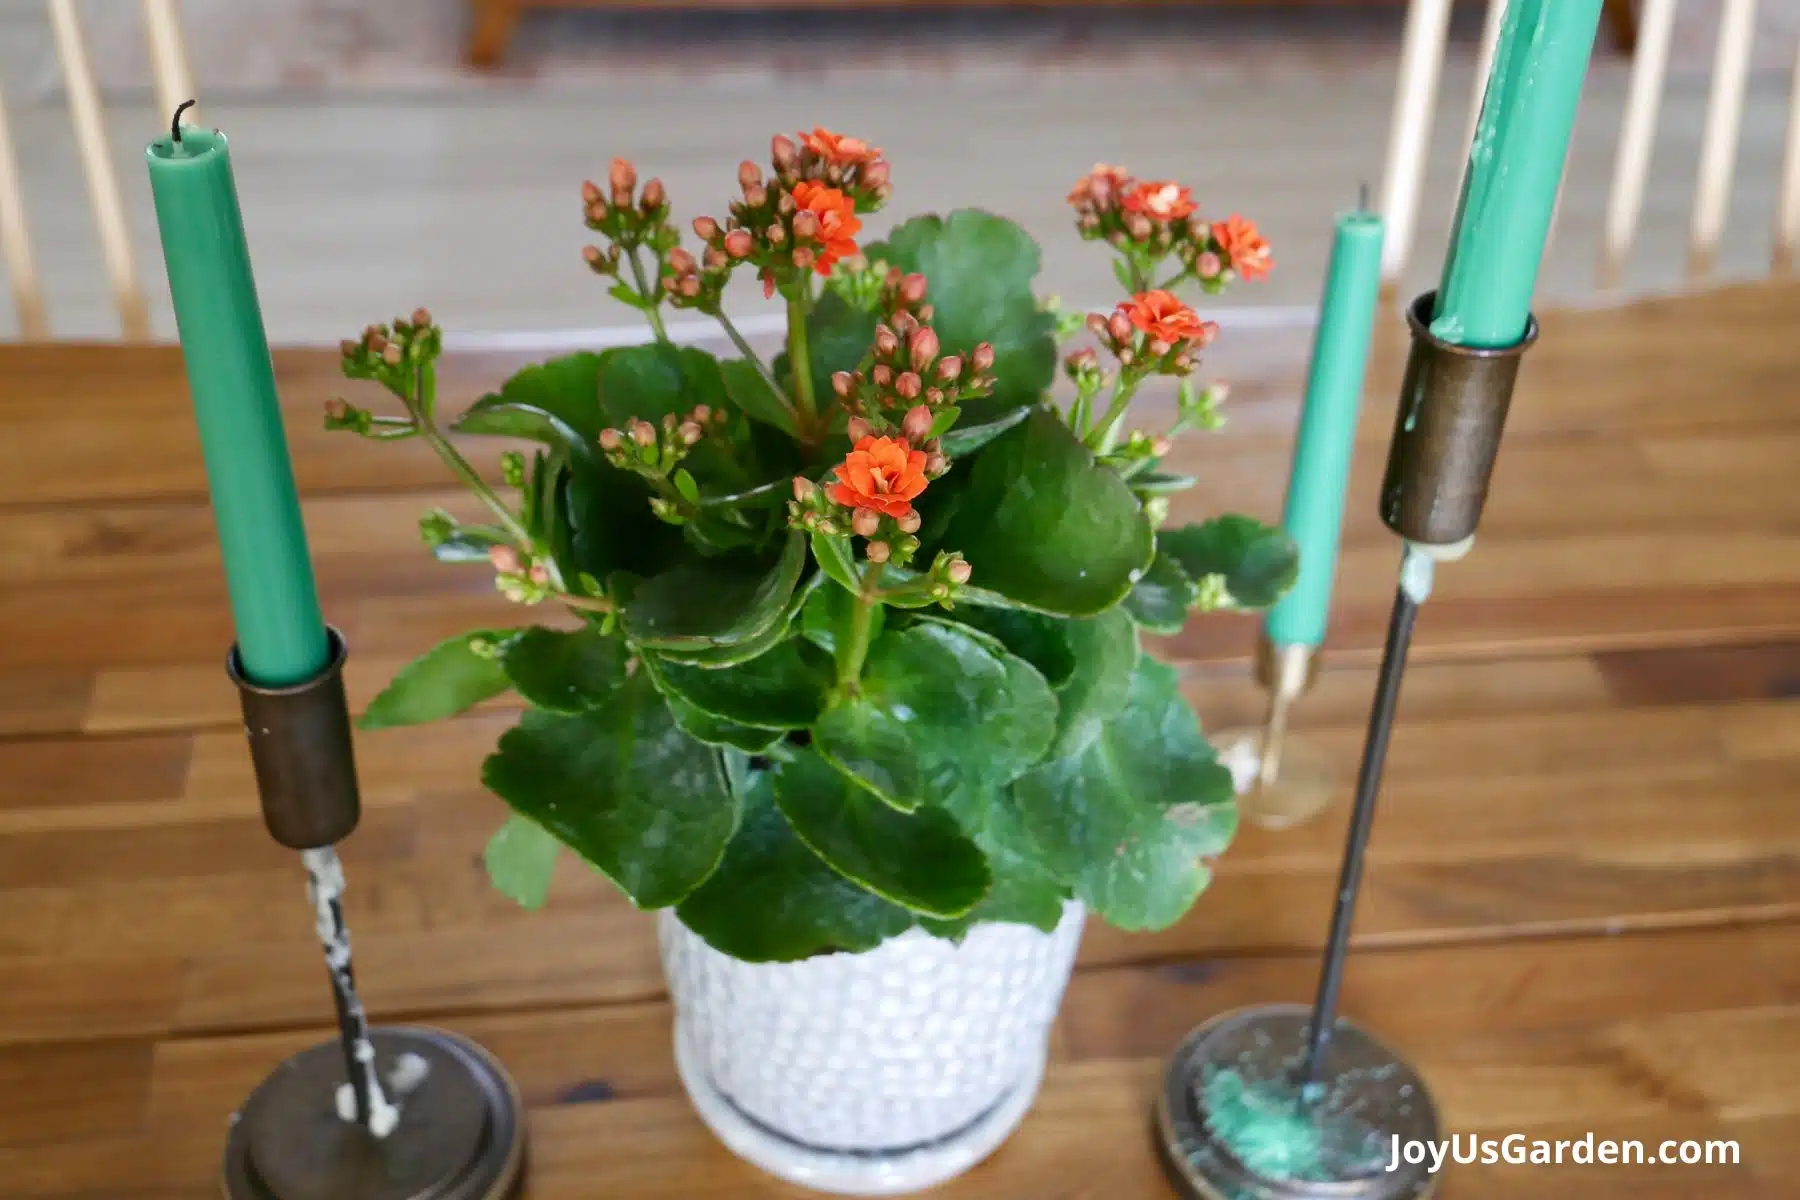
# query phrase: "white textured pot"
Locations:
[[869, 1074]]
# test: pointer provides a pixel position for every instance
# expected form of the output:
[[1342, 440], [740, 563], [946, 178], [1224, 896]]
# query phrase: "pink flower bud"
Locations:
[[349, 347], [593, 255], [1182, 363], [705, 228], [804, 258], [1096, 324], [540, 574], [590, 194], [886, 342], [917, 425], [909, 385], [622, 176], [865, 523], [668, 284], [934, 396], [336, 409], [1138, 226], [668, 422], [1158, 347], [1209, 330], [715, 259], [858, 429], [783, 153], [983, 358], [596, 212], [655, 196], [936, 464], [1084, 360], [690, 433], [910, 522], [643, 433], [421, 318], [391, 356], [841, 383], [875, 175], [689, 287], [949, 367], [1127, 356], [1208, 266], [775, 235], [806, 226], [784, 204], [611, 439], [912, 289], [755, 197], [883, 375], [702, 413], [505, 559], [878, 552], [738, 243], [749, 175], [1160, 446], [923, 348], [1118, 327], [959, 571], [803, 488], [681, 262]]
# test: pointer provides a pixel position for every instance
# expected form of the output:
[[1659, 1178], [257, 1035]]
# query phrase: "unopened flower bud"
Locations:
[[804, 258], [936, 464], [1118, 327], [785, 205], [882, 375], [504, 559], [924, 348], [782, 153], [749, 175], [1127, 356], [806, 226], [858, 429], [949, 367], [756, 197], [983, 358], [391, 356], [590, 194], [622, 176], [655, 196], [1138, 226], [593, 256], [909, 385], [917, 425], [705, 228], [681, 262], [775, 235], [841, 383], [912, 288], [803, 488], [611, 439], [689, 287], [1208, 266], [875, 175], [715, 259], [337, 409], [886, 343], [934, 396], [959, 571], [865, 522], [349, 348], [1160, 446], [643, 433], [1182, 363], [596, 212], [1083, 361], [374, 339], [877, 552], [910, 522], [1158, 347], [1096, 324], [690, 433], [540, 574], [421, 318], [702, 414], [668, 422], [738, 243]]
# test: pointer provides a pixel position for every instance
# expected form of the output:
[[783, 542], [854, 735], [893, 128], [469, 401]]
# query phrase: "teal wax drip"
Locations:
[[1514, 171], [1281, 1132], [1313, 515]]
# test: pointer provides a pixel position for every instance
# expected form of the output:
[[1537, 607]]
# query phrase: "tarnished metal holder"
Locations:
[[301, 747], [1447, 427]]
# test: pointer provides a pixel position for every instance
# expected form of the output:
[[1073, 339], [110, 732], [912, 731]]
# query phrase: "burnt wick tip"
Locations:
[[1362, 197], [175, 121]]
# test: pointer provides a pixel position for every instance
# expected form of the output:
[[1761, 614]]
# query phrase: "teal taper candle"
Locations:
[[274, 602], [1314, 513], [1515, 169]]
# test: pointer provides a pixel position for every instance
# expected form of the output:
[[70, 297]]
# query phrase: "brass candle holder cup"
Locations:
[[383, 1114], [1283, 779], [1285, 1103]]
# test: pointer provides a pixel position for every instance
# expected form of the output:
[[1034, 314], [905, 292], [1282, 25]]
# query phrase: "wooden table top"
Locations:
[[1580, 913]]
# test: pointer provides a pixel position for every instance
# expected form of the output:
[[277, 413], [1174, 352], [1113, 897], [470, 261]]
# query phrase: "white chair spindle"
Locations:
[[1415, 99], [169, 72], [1787, 209], [1719, 141], [1643, 102], [15, 241]]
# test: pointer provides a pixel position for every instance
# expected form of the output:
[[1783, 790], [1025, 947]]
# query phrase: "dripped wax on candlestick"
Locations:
[[1282, 1132]]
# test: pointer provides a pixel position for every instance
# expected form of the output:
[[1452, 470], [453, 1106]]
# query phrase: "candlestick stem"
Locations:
[[1416, 571], [361, 1099]]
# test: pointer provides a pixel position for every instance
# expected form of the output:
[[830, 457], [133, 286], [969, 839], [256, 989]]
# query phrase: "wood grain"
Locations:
[[1583, 906]]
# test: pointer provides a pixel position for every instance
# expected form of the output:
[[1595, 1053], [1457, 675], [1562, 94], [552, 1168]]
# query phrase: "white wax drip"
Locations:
[[325, 888]]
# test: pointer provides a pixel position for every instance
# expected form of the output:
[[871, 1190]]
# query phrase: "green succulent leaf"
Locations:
[[1105, 649], [1040, 640], [920, 860], [723, 601], [1024, 891], [655, 380], [452, 677], [774, 900], [968, 438], [624, 787], [1160, 599], [937, 713], [833, 556], [1161, 483], [718, 658], [564, 672], [717, 731], [1132, 820], [753, 396], [520, 859], [1256, 561], [980, 269], [470, 543], [838, 335], [556, 403], [1046, 526], [783, 688]]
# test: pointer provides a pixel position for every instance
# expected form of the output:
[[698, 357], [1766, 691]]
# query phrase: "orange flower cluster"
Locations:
[[1152, 219], [1153, 331], [847, 164], [881, 475]]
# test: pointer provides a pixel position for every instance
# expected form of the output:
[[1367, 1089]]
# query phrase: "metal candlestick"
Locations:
[[383, 1114], [1283, 779], [1447, 428]]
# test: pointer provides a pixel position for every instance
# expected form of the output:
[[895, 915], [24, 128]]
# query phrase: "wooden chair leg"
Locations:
[[1622, 21], [491, 27]]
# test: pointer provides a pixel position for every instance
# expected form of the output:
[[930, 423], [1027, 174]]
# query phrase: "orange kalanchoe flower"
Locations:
[[1099, 184], [882, 475], [838, 222], [837, 149], [1246, 248], [1166, 319], [1161, 199]]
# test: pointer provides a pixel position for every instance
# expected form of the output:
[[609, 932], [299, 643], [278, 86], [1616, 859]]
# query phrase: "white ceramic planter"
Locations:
[[869, 1074]]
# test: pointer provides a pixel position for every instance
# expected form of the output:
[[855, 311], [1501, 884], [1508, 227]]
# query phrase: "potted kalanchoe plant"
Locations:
[[843, 672]]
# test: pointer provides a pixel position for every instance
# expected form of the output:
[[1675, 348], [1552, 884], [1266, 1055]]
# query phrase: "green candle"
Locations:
[[1314, 513], [280, 633], [1515, 167]]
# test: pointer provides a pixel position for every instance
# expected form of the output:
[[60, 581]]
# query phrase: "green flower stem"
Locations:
[[862, 620], [754, 359], [1104, 436], [652, 302], [800, 358]]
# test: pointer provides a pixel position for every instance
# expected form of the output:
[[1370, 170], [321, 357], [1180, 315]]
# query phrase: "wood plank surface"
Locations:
[[1583, 905]]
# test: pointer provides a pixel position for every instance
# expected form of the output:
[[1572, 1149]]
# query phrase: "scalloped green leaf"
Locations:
[[717, 658], [724, 601], [564, 672], [774, 900], [919, 860], [1133, 820], [555, 402], [520, 859], [624, 787], [1256, 561], [717, 731], [1046, 526], [784, 688], [1160, 599], [753, 396], [452, 677], [1024, 892]]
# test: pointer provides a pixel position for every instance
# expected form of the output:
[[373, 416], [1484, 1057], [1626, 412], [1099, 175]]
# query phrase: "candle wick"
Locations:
[[175, 121], [1362, 197]]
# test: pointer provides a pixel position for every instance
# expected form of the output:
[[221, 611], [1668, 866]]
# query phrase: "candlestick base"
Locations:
[[1227, 1124], [461, 1134], [1304, 788]]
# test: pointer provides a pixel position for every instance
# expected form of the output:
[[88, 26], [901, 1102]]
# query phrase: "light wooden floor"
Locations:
[[1583, 909]]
